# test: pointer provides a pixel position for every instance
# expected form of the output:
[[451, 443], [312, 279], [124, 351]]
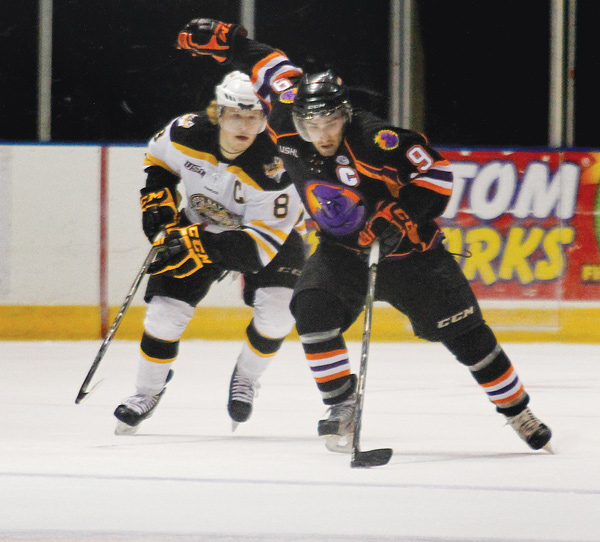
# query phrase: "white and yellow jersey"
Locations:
[[251, 194]]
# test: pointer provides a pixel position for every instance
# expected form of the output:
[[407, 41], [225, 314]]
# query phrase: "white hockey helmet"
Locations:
[[236, 91]]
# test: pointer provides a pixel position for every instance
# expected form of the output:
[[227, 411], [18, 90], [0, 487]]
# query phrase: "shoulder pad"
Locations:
[[190, 127], [379, 134], [191, 120]]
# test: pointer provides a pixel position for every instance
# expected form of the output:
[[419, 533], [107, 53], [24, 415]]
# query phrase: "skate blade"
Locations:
[[341, 444], [234, 425], [548, 448], [124, 429]]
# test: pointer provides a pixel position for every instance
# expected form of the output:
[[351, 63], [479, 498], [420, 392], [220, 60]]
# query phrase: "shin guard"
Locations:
[[327, 357], [479, 350], [155, 362]]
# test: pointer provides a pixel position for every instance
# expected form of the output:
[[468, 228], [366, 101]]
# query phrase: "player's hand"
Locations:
[[210, 37], [180, 253], [390, 224], [159, 211]]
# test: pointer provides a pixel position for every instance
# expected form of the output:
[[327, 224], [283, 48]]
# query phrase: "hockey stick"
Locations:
[[113, 329], [380, 456]]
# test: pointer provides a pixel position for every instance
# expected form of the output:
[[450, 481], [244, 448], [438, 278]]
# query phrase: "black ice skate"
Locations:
[[242, 391], [536, 434], [338, 427], [135, 409]]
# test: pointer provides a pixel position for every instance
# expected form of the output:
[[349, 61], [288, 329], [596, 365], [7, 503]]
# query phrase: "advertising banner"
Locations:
[[529, 222]]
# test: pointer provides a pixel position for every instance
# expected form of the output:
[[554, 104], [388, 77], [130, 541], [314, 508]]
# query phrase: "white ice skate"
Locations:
[[338, 427], [242, 391], [134, 410]]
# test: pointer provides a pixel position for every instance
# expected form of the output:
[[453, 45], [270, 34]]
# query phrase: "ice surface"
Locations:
[[458, 472]]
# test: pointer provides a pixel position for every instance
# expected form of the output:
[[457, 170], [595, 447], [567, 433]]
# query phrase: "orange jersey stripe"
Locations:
[[430, 186], [287, 74], [392, 179], [259, 65]]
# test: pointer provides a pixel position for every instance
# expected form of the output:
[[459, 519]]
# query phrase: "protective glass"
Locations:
[[312, 128]]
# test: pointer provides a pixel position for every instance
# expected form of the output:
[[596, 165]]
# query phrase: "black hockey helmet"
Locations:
[[320, 94]]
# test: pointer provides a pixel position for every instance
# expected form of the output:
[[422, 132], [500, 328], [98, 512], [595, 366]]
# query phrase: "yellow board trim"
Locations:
[[23, 323]]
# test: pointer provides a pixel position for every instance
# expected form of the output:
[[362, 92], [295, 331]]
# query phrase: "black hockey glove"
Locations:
[[180, 253], [210, 37], [159, 211], [390, 224]]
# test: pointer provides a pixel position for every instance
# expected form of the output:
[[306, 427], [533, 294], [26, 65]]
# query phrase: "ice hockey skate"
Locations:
[[536, 434], [242, 391], [338, 427], [135, 409]]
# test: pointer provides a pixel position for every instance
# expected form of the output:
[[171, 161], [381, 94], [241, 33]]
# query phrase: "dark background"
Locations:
[[117, 77]]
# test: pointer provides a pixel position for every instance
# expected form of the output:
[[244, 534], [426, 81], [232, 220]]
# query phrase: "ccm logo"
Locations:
[[456, 317]]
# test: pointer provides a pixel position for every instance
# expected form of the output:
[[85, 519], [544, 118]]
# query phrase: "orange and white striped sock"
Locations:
[[500, 381], [328, 360]]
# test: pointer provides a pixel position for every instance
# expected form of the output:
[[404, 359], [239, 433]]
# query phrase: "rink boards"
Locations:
[[563, 324]]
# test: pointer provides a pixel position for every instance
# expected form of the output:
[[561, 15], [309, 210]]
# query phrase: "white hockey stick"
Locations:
[[381, 456], [113, 329]]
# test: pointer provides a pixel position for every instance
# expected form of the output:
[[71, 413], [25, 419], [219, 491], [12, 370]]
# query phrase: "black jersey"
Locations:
[[376, 162]]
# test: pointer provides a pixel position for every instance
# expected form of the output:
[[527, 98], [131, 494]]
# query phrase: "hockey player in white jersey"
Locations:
[[241, 214]]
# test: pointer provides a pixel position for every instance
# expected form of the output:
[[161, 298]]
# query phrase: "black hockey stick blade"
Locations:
[[83, 394], [83, 391], [371, 458]]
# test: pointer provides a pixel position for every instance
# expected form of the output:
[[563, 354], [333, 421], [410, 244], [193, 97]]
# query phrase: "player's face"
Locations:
[[239, 128], [326, 132]]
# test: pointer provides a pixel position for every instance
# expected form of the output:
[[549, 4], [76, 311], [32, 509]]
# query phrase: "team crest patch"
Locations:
[[288, 96], [336, 209], [215, 212], [387, 140], [275, 169], [187, 121]]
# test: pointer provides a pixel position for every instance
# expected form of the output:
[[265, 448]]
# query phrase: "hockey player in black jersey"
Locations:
[[361, 178], [242, 214]]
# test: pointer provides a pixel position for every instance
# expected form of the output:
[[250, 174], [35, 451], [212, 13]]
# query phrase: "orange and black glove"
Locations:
[[159, 211], [180, 253], [390, 224], [210, 37]]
